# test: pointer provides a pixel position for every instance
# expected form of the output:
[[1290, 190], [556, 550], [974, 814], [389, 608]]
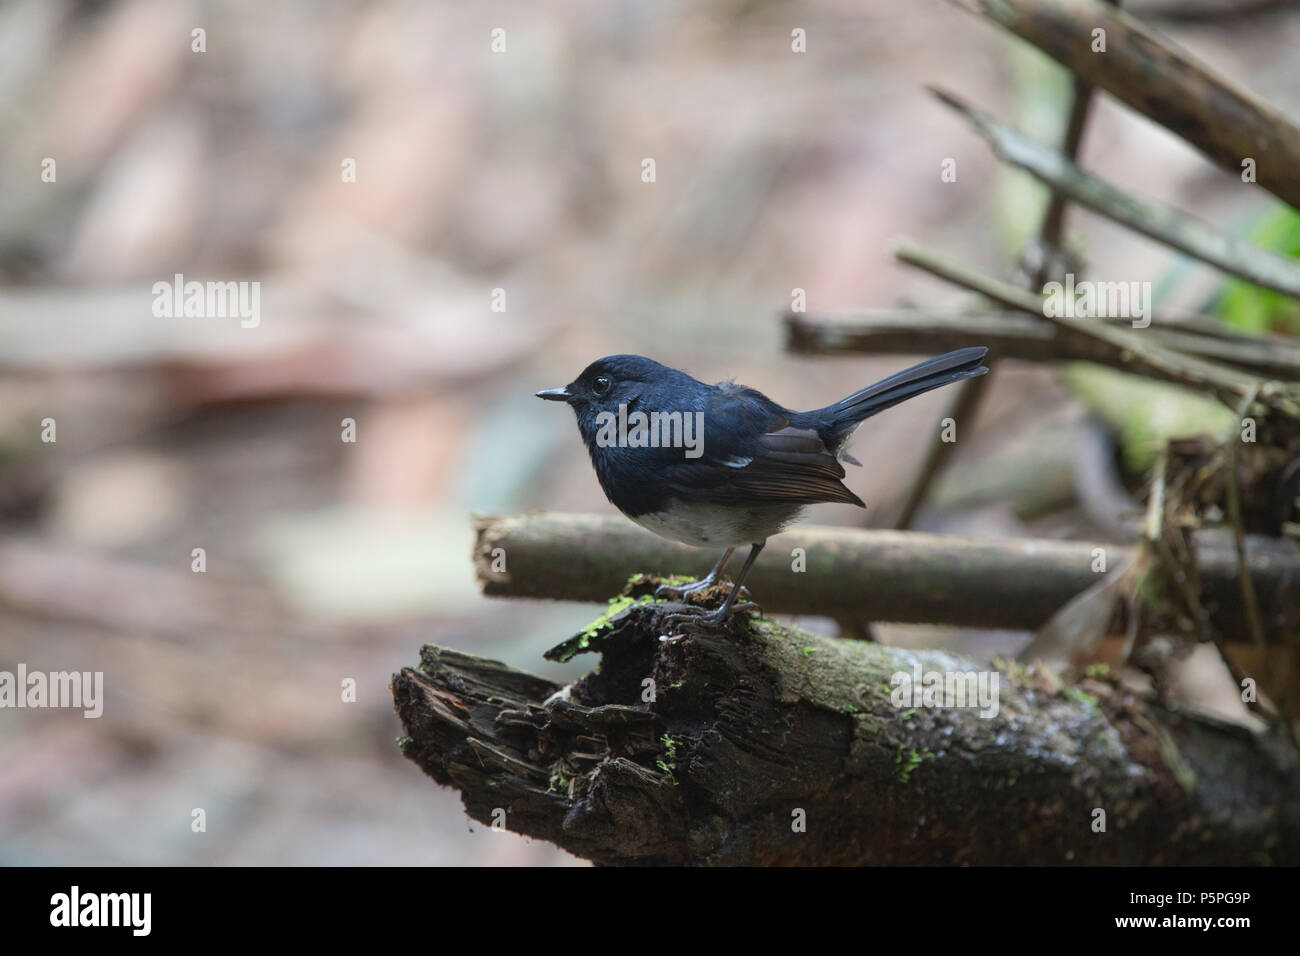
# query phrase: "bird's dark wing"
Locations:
[[753, 455]]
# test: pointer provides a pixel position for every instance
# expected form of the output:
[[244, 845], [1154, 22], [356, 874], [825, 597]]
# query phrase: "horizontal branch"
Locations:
[[1229, 12], [770, 745], [1010, 335], [1128, 349], [906, 577], [1161, 223], [1163, 82]]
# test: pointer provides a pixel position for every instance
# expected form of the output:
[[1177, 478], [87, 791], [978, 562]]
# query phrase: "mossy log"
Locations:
[[763, 744]]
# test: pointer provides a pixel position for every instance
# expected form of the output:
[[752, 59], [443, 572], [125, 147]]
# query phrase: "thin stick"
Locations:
[[1249, 601], [1165, 225], [1163, 82], [1124, 348], [1010, 335]]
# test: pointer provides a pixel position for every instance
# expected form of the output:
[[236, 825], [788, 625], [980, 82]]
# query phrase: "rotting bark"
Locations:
[[907, 577], [750, 730]]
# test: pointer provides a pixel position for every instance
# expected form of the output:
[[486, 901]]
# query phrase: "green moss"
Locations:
[[616, 607], [582, 641], [909, 759], [668, 762], [1082, 697]]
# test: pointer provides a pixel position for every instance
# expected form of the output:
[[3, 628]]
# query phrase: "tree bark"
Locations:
[[762, 744]]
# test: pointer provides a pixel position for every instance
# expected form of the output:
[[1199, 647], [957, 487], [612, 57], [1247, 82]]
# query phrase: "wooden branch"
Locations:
[[1011, 335], [1049, 244], [964, 403], [1229, 12], [1134, 352], [873, 575], [1161, 223], [1163, 82], [961, 406], [770, 745]]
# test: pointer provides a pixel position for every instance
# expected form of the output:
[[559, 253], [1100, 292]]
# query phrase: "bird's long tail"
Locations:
[[845, 414]]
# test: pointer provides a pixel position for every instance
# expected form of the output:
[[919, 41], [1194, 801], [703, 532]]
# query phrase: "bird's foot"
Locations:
[[678, 592], [690, 618]]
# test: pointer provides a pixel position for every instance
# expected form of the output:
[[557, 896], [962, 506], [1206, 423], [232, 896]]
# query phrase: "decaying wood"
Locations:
[[1163, 82], [906, 577], [768, 745]]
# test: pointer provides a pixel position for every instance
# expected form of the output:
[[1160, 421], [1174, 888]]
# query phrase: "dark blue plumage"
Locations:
[[743, 466]]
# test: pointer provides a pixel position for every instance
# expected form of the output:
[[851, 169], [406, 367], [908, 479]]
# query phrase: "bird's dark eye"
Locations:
[[601, 385]]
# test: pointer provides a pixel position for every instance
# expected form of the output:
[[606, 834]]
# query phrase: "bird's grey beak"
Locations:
[[560, 394]]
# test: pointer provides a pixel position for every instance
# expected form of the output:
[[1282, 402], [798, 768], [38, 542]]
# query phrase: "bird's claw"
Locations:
[[680, 591], [691, 617]]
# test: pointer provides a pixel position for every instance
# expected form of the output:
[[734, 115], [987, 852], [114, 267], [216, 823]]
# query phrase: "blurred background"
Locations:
[[476, 171]]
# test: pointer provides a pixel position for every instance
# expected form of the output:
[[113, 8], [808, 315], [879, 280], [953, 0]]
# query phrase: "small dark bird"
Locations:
[[724, 465]]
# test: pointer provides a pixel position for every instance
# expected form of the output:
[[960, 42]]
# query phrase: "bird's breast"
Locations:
[[706, 525]]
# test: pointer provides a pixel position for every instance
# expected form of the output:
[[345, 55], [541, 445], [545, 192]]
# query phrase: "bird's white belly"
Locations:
[[711, 525]]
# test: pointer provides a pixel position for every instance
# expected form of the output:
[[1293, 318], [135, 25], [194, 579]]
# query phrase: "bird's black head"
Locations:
[[628, 380], [616, 380]]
